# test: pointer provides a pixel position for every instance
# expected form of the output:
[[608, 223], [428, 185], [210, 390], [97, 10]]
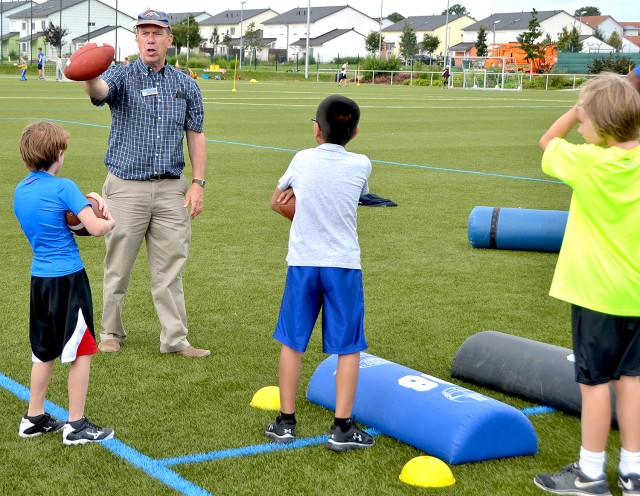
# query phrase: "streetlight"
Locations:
[[380, 33], [581, 13], [494, 30], [241, 16], [446, 38]]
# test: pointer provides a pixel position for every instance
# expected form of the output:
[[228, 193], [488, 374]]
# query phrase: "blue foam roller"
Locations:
[[517, 228], [452, 423]]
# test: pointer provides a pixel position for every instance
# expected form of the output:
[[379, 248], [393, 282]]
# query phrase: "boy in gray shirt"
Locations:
[[324, 268]]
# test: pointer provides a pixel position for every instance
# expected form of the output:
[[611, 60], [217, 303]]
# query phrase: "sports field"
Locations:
[[185, 426]]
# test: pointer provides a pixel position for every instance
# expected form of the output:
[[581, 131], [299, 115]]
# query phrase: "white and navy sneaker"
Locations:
[[281, 431], [82, 431], [630, 484], [354, 438], [40, 424], [572, 480]]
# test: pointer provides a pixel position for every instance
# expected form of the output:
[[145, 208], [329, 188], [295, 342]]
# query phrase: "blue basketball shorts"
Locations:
[[340, 295]]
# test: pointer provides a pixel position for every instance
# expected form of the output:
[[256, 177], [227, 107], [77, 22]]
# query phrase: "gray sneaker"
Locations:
[[571, 480], [630, 484], [281, 431], [86, 432], [354, 438]]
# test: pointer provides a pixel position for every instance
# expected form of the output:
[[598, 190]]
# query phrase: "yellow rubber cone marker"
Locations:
[[267, 398], [427, 471]]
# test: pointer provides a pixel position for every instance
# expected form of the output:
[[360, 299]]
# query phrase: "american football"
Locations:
[[89, 61], [289, 209], [74, 223]]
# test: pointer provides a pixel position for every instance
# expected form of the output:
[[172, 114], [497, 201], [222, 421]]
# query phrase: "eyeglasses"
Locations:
[[314, 120]]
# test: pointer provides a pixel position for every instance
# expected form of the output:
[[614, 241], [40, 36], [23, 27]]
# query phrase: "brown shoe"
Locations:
[[192, 352], [109, 345]]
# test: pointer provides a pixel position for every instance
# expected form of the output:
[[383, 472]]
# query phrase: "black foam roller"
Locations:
[[538, 372]]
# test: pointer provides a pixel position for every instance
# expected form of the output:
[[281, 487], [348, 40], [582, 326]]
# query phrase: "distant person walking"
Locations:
[[22, 65], [59, 69], [40, 63], [342, 76], [445, 78]]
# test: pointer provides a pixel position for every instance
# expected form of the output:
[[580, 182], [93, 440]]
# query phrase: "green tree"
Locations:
[[186, 33], [226, 41], [615, 41], [569, 40], [408, 43], [481, 42], [547, 40], [252, 39], [395, 17], [430, 43], [456, 9], [215, 39], [372, 42], [587, 11], [533, 49], [54, 35]]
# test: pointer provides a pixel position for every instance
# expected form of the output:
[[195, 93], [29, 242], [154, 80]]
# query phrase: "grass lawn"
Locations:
[[436, 153]]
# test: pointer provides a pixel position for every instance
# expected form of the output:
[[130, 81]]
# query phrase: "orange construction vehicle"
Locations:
[[517, 58]]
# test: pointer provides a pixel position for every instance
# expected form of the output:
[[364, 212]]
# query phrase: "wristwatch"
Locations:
[[201, 182]]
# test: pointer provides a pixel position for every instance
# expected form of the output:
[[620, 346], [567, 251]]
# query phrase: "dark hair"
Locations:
[[338, 118]]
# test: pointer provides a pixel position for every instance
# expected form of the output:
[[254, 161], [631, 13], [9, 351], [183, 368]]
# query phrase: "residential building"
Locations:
[[126, 40], [234, 23], [506, 27], [435, 25], [9, 32], [290, 28], [73, 15], [605, 23], [331, 43]]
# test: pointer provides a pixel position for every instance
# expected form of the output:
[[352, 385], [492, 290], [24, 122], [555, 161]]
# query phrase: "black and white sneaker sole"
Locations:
[[284, 439], [75, 442], [341, 447]]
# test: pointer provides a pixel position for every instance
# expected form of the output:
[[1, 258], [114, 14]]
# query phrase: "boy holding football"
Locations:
[[324, 268], [598, 273], [61, 309]]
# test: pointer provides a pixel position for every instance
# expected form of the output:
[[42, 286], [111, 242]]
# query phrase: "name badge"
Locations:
[[149, 91]]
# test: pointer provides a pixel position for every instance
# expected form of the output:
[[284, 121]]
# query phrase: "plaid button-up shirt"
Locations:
[[150, 112]]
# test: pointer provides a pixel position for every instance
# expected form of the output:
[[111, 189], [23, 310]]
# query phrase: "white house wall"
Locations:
[[346, 18], [75, 20], [553, 26], [207, 31]]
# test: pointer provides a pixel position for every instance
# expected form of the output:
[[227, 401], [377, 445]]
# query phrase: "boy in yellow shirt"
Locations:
[[598, 272]]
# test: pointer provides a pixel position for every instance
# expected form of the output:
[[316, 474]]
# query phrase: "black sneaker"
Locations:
[[86, 432], [354, 438], [630, 484], [281, 431], [571, 480], [40, 424]]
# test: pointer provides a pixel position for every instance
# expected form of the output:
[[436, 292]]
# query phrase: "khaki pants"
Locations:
[[153, 211]]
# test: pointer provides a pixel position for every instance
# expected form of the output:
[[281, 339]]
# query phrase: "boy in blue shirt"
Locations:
[[61, 309], [324, 268]]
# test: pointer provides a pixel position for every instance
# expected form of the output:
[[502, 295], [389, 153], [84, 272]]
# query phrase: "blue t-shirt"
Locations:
[[636, 69], [40, 58], [40, 202]]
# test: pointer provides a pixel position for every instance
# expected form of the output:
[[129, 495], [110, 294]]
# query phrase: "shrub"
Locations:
[[617, 64]]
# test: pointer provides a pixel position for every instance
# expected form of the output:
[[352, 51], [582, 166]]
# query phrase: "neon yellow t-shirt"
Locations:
[[599, 262]]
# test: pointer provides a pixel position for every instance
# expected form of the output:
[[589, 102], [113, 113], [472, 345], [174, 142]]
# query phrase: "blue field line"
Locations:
[[537, 410], [251, 450], [383, 162], [148, 465]]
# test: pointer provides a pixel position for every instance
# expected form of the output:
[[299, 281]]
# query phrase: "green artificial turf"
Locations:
[[436, 153]]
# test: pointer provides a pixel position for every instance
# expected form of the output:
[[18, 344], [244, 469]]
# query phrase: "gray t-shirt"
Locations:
[[328, 182]]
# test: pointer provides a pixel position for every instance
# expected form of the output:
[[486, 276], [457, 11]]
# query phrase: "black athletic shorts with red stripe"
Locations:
[[61, 320]]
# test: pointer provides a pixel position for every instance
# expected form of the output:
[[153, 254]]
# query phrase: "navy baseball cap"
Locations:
[[154, 17]]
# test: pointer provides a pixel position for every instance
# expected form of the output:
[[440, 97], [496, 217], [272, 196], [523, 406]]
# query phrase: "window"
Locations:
[[233, 31], [43, 25], [24, 25], [91, 24]]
